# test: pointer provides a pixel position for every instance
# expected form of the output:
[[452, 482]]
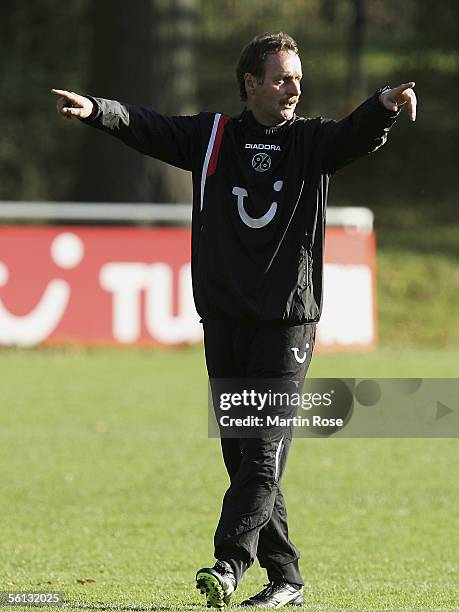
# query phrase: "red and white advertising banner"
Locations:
[[122, 286], [349, 317]]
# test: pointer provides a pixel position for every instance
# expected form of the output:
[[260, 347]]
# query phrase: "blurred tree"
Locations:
[[42, 45], [356, 82], [439, 27], [328, 10], [142, 53], [173, 33]]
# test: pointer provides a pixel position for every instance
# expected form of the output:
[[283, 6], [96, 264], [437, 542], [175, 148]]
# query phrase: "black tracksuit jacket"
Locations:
[[259, 199]]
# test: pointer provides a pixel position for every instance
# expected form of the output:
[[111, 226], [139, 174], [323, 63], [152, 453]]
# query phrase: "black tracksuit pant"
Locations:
[[253, 521]]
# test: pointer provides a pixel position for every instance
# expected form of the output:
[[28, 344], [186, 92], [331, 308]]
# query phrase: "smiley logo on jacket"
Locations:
[[251, 222]]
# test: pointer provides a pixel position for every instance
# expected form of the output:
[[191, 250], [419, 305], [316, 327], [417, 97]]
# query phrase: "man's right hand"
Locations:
[[70, 104]]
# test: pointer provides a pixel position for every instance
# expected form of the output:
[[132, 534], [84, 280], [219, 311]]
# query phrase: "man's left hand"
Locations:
[[393, 98]]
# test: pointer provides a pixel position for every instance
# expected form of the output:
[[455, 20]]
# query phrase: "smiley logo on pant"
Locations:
[[296, 352]]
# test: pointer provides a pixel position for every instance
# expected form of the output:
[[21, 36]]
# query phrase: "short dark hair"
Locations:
[[253, 56]]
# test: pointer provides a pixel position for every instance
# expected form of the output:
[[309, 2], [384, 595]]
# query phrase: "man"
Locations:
[[260, 188]]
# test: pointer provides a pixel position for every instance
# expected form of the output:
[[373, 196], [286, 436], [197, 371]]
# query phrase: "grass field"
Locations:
[[111, 489], [418, 286]]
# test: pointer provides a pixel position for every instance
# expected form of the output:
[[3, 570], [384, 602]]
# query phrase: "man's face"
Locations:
[[274, 101]]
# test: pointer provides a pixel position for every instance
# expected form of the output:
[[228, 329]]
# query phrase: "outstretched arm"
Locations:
[[174, 140], [366, 128]]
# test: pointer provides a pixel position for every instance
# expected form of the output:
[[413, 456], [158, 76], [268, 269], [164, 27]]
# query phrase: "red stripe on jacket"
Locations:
[[216, 148]]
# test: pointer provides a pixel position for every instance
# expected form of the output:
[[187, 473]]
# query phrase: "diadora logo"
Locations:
[[296, 351], [265, 147], [261, 162]]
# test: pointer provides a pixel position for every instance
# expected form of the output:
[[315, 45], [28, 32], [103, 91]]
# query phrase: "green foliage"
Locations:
[[44, 44], [412, 177], [41, 43], [418, 287]]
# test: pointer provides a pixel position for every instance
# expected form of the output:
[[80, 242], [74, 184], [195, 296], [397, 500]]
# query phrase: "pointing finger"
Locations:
[[412, 104], [408, 97], [59, 92], [68, 95], [404, 86]]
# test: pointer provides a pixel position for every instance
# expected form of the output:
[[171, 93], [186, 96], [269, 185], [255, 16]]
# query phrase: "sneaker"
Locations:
[[217, 583], [277, 595]]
